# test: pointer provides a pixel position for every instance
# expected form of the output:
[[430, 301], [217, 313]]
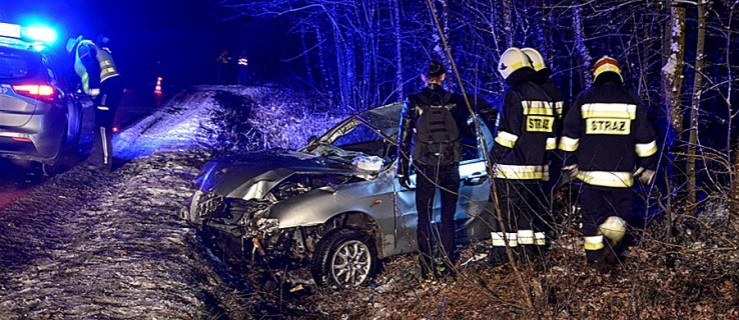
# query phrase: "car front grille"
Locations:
[[211, 205], [229, 210]]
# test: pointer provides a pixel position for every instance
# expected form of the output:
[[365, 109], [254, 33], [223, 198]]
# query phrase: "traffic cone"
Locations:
[[158, 87]]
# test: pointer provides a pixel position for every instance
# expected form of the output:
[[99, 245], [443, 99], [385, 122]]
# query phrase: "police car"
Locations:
[[40, 117]]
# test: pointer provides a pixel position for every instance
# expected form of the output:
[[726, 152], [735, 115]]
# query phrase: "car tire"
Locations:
[[346, 258], [64, 157]]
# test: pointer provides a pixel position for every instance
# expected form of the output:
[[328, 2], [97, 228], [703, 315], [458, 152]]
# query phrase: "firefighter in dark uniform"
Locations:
[[524, 138], [608, 141], [435, 121], [544, 80], [101, 81]]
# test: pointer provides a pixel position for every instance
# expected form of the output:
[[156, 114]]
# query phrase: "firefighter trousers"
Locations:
[[597, 204], [523, 204]]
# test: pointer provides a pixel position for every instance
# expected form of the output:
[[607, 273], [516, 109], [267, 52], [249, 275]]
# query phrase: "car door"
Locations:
[[474, 210]]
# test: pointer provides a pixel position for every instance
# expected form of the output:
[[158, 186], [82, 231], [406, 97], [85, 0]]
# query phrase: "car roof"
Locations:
[[17, 44]]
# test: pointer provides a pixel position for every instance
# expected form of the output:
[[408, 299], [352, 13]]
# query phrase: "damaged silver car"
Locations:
[[335, 205]]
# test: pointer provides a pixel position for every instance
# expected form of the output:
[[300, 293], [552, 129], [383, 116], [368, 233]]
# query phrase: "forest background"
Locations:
[[680, 57]]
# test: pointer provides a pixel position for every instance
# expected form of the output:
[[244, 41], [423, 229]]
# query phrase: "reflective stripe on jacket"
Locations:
[[607, 134], [105, 64], [527, 130]]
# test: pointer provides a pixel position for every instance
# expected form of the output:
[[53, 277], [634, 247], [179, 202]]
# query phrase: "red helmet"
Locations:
[[606, 64]]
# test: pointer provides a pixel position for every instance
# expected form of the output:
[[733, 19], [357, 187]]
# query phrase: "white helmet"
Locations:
[[537, 61], [512, 60], [613, 228]]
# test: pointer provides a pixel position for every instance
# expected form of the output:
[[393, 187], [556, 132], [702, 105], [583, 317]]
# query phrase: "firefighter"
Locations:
[[242, 62], [434, 120], [525, 135], [101, 81], [543, 79], [608, 141]]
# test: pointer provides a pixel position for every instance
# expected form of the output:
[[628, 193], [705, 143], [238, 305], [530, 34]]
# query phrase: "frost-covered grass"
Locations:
[[259, 118]]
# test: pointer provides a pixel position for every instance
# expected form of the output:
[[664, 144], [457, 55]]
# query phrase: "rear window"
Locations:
[[17, 64]]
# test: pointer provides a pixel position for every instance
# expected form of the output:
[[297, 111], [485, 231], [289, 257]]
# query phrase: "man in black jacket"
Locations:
[[608, 141], [524, 139], [435, 121]]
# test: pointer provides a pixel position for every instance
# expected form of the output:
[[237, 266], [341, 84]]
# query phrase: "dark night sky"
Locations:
[[185, 36]]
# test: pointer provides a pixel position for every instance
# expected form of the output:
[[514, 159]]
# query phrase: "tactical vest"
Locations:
[[105, 60], [437, 134]]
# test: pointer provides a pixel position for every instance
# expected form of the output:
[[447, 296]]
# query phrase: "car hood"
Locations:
[[252, 175]]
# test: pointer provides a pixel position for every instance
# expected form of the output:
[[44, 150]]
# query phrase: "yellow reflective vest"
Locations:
[[105, 61]]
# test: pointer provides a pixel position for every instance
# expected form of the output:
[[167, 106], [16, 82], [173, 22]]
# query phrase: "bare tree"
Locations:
[[695, 105]]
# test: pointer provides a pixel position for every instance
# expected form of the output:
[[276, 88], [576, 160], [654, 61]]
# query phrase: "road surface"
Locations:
[[19, 179]]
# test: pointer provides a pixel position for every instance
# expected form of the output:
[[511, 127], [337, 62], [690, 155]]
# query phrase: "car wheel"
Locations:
[[64, 155], [346, 258]]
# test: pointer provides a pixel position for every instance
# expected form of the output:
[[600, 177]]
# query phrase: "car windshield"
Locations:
[[385, 118], [372, 132]]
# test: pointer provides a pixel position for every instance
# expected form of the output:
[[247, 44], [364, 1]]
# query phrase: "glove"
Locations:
[[405, 181], [644, 175], [571, 170], [94, 92]]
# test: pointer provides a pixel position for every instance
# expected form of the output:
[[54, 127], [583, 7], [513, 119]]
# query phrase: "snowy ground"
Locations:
[[85, 245]]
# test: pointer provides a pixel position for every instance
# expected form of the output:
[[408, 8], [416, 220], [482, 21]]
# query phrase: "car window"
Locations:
[[469, 150], [385, 118], [359, 134], [16, 64], [365, 140], [472, 147]]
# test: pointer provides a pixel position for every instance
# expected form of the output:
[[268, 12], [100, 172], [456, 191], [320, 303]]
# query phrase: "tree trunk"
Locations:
[[306, 57], [734, 204], [398, 52], [440, 9], [695, 106], [327, 78], [508, 22], [583, 53], [672, 80], [672, 71], [546, 34]]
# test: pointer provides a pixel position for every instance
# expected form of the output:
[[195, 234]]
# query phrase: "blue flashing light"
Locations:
[[39, 33]]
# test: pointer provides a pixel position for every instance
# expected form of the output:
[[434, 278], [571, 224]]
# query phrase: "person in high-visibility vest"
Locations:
[[101, 81], [243, 62]]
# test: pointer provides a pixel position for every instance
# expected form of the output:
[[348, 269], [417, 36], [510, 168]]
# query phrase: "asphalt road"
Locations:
[[19, 179]]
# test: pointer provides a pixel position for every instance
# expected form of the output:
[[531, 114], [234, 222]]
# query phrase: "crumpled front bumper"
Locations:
[[238, 221]]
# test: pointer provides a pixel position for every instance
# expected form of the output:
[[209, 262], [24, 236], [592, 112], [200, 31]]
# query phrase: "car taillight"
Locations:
[[37, 91]]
